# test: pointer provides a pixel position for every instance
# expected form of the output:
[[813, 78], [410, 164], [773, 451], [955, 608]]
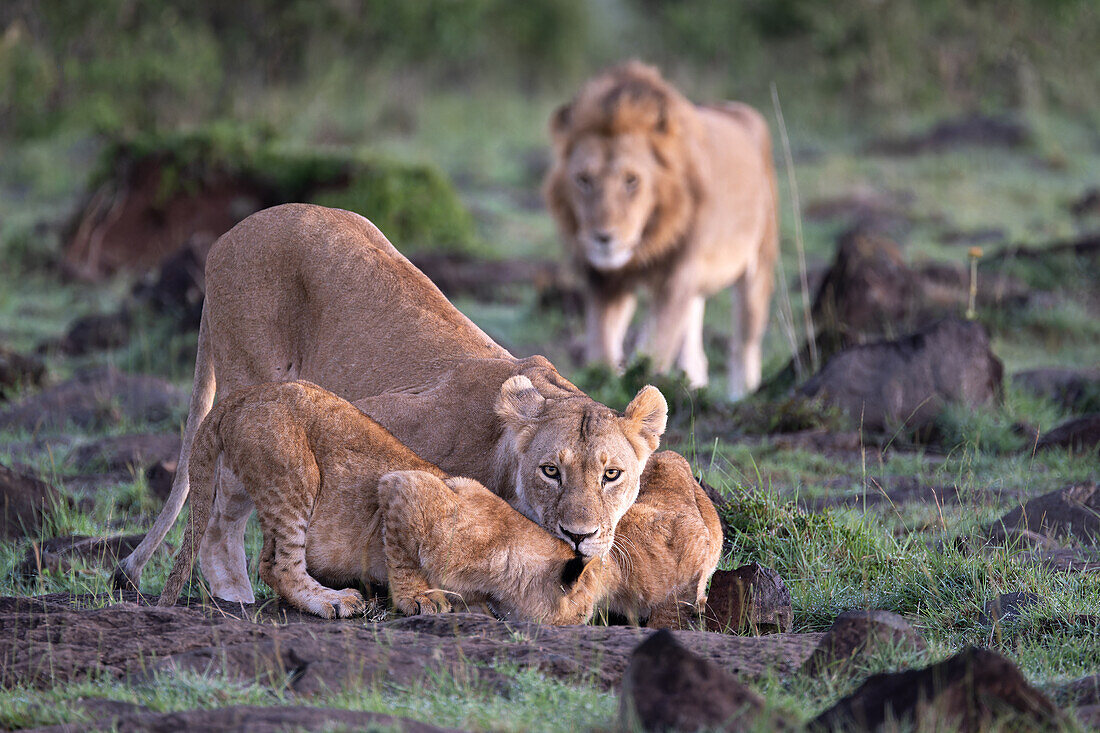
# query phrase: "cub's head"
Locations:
[[621, 185], [576, 464]]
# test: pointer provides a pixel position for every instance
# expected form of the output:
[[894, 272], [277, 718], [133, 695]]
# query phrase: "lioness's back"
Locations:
[[293, 281]]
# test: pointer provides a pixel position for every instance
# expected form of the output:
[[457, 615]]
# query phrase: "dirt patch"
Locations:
[[51, 641], [95, 400], [127, 718]]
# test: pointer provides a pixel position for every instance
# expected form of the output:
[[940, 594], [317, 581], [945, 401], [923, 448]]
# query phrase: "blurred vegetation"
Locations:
[[413, 203], [123, 64]]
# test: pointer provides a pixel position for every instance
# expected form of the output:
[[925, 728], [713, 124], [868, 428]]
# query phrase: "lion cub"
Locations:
[[313, 465], [652, 573]]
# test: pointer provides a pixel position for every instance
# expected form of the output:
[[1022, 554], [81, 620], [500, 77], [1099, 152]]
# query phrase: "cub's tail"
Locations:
[[204, 460]]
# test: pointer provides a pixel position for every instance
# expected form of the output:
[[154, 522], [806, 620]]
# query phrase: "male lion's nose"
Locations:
[[576, 537], [602, 236]]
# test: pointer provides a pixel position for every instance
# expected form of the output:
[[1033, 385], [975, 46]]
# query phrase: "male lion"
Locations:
[[650, 190], [321, 474], [306, 292]]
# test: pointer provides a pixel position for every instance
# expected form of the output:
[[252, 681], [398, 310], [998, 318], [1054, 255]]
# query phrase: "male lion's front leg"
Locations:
[[607, 318]]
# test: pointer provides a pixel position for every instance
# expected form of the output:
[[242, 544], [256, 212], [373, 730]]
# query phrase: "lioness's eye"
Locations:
[[612, 474], [549, 470]]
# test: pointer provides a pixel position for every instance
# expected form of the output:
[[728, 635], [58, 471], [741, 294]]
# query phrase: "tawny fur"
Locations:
[[314, 465], [306, 292], [651, 191], [651, 573], [453, 537]]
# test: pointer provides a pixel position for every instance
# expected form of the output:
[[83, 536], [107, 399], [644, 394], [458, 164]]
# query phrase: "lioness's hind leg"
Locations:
[[221, 555]]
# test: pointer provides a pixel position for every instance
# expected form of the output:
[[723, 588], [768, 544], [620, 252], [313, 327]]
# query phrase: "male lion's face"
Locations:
[[579, 463], [612, 192]]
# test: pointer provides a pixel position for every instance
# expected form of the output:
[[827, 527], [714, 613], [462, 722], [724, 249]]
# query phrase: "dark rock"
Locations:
[[97, 332], [1079, 435], [1075, 510], [1083, 691], [19, 372], [855, 635], [968, 692], [668, 688], [1088, 204], [974, 130], [96, 399], [124, 452], [906, 383], [868, 291], [1088, 716], [23, 503], [52, 640], [1073, 389], [1006, 606], [179, 285], [751, 598], [243, 718], [159, 478], [56, 554]]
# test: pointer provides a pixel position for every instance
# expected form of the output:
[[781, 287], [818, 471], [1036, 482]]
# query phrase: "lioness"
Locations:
[[300, 291], [650, 190], [321, 475]]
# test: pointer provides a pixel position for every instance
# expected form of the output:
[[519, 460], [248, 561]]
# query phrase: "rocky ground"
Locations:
[[910, 504]]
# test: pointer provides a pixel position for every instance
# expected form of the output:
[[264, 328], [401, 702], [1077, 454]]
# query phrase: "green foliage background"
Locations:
[[129, 65]]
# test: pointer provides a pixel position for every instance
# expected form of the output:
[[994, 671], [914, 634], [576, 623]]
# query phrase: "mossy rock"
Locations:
[[150, 192]]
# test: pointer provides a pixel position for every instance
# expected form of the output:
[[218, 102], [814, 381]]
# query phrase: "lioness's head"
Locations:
[[577, 464], [621, 185]]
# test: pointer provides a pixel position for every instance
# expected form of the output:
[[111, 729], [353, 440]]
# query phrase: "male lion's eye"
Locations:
[[612, 474], [584, 181], [549, 470], [631, 181]]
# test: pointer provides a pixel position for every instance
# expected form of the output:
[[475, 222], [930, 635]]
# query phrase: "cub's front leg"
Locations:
[[406, 496]]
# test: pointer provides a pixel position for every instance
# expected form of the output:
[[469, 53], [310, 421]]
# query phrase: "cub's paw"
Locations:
[[423, 604], [337, 603]]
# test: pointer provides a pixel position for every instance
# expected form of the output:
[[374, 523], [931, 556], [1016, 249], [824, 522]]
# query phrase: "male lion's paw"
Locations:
[[423, 604]]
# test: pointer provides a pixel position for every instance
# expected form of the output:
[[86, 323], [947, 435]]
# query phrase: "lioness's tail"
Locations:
[[204, 460], [127, 574]]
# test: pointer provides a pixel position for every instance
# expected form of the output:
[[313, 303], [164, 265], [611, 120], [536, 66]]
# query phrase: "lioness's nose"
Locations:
[[578, 537]]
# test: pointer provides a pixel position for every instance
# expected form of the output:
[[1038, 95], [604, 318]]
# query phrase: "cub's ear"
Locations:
[[560, 121], [519, 403], [647, 414]]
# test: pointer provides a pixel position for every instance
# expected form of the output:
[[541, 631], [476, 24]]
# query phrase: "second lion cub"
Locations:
[[340, 499]]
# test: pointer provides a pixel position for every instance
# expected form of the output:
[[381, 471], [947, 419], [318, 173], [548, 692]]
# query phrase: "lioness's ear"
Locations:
[[648, 413], [560, 121], [519, 403]]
